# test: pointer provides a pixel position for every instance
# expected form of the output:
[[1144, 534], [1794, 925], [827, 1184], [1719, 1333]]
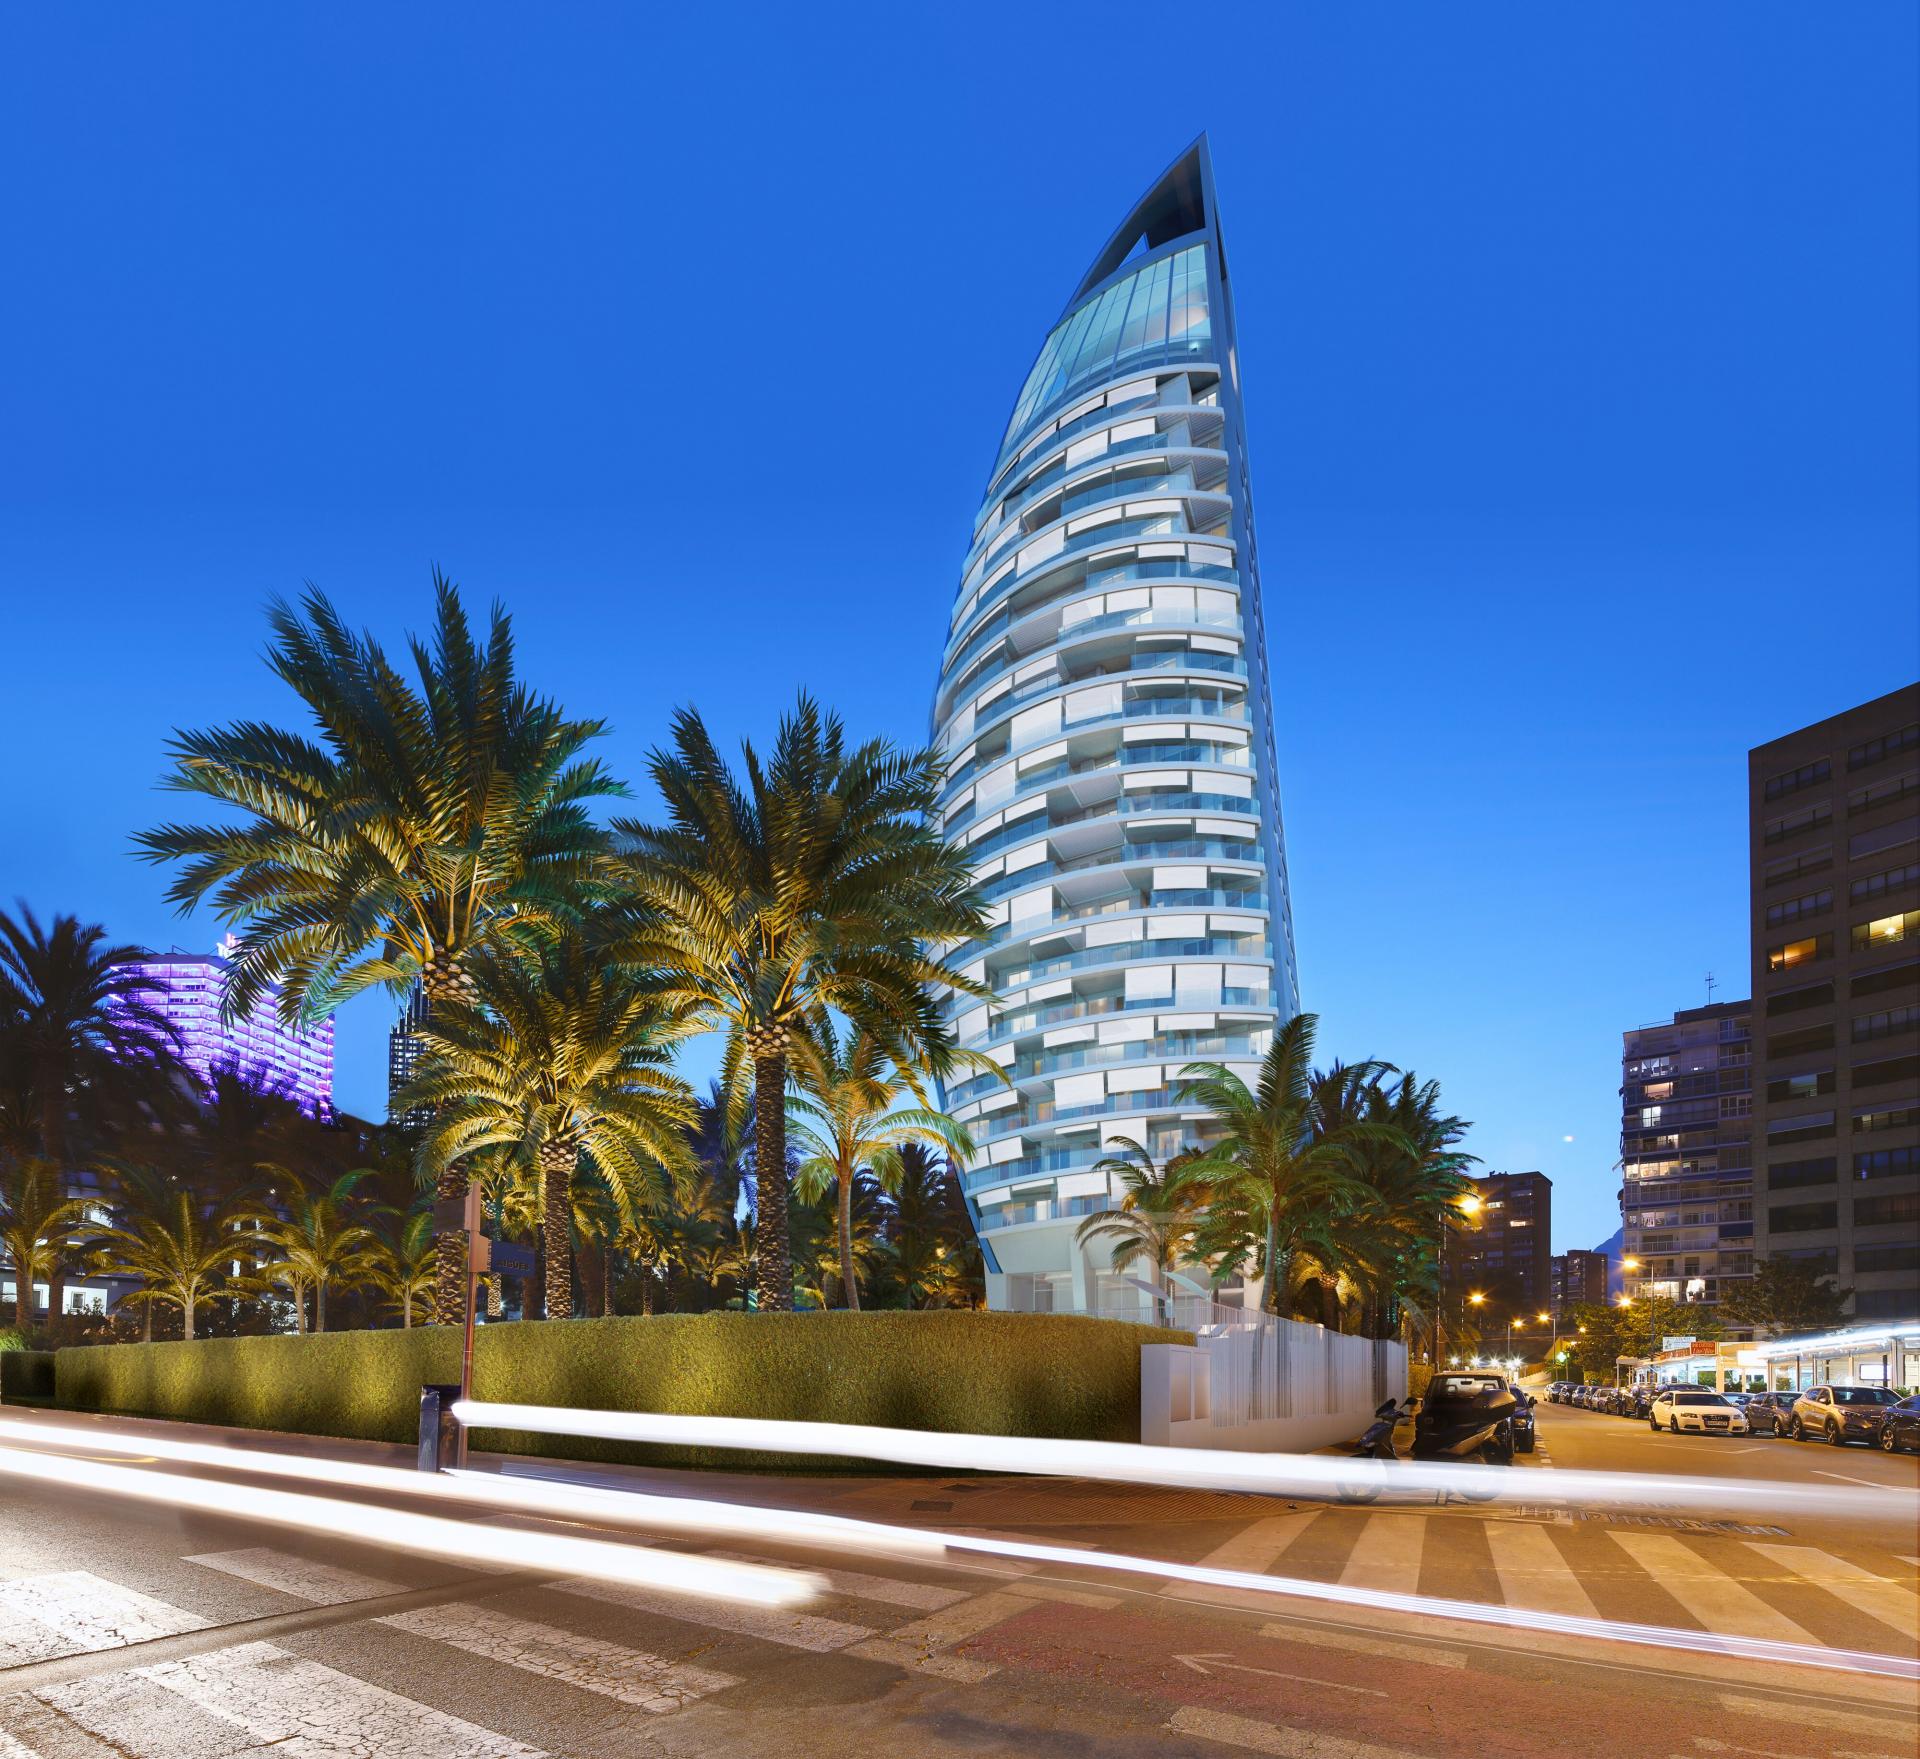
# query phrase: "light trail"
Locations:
[[425, 1535], [554, 1499], [1184, 1468]]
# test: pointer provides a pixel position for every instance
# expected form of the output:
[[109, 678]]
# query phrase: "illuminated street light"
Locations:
[[1476, 1299]]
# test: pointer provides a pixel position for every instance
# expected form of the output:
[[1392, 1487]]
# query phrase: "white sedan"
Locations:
[[1697, 1411]]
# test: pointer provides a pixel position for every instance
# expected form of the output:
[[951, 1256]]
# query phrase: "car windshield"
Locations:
[[1862, 1395], [1699, 1399], [1466, 1385]]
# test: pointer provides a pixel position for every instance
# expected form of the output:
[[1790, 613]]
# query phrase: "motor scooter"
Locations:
[[1476, 1427]]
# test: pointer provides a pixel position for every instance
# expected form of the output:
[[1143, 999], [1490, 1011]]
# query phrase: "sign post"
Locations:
[[462, 1215]]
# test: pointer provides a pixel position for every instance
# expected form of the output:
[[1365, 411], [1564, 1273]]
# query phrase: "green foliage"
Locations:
[[1783, 1297], [26, 1376], [983, 1373]]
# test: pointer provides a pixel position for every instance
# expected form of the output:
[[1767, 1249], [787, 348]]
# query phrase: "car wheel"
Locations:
[[1887, 1444], [1653, 1423], [1837, 1435], [1796, 1430]]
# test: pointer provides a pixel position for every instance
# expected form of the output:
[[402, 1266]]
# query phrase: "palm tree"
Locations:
[[426, 824], [1155, 1220], [569, 1056], [179, 1250], [320, 1243], [1413, 1174], [821, 884], [843, 1122], [934, 1255], [76, 1018], [38, 1226], [1273, 1176], [403, 1265]]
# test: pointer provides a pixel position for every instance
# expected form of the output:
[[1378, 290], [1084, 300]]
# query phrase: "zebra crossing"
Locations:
[[1732, 1586], [242, 1699]]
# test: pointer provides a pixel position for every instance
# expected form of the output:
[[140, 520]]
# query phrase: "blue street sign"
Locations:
[[512, 1260]]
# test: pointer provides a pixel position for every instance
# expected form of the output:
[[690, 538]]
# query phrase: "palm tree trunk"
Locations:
[[146, 1328], [450, 1253], [606, 1281], [646, 1290], [768, 1047], [849, 1286], [186, 1317], [556, 1179], [319, 1307]]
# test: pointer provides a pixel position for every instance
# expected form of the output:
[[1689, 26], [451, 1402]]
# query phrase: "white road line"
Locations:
[[1255, 1548], [302, 1577], [1420, 1654], [630, 1675], [956, 1624], [1893, 1603], [1818, 1716], [1266, 1737], [1846, 1478], [74, 1611], [1533, 1573], [1716, 1600], [770, 1624], [891, 1590], [12, 1749], [1387, 1556], [307, 1711]]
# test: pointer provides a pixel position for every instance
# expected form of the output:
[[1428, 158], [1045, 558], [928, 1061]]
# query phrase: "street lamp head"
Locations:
[[1543, 1317], [1626, 1300], [1469, 1204], [1629, 1264], [1476, 1299]]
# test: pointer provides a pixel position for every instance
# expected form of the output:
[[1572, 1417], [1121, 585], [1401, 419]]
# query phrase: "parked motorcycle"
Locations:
[[1454, 1425]]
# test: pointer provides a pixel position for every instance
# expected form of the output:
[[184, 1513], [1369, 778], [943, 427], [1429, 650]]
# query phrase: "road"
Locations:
[[158, 1634]]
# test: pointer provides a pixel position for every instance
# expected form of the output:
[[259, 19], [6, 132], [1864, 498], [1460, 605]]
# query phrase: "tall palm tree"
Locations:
[[846, 1119], [820, 884], [39, 1224], [1414, 1176], [321, 1242], [429, 821], [179, 1250], [1155, 1221], [1273, 1175], [75, 1018], [569, 1055]]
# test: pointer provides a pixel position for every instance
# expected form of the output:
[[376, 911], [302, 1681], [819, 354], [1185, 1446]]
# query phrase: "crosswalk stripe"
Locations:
[[632, 1676], [891, 1590], [1890, 1602], [1387, 1554], [1819, 1716], [1255, 1549], [795, 1630], [306, 1710], [1533, 1573], [1718, 1602], [957, 1623], [1267, 1737], [303, 1577], [76, 1610]]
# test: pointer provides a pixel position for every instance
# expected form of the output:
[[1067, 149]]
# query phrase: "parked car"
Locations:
[[1766, 1413], [1642, 1401], [1694, 1410], [1840, 1414], [1556, 1390], [1900, 1426]]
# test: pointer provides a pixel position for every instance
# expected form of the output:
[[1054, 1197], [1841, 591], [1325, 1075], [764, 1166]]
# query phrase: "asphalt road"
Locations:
[[134, 1631]]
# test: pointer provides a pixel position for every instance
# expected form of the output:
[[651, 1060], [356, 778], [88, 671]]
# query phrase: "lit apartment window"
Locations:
[[1802, 952], [1885, 931]]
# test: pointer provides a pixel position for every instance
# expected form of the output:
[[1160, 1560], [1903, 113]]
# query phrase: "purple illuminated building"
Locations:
[[268, 1054]]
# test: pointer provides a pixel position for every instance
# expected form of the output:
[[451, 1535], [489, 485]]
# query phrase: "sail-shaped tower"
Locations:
[[1105, 706]]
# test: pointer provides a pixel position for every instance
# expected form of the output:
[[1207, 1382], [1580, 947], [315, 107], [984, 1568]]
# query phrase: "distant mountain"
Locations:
[[1611, 1246]]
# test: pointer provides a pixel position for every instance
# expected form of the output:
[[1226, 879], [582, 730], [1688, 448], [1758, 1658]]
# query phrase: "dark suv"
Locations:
[[1839, 1414]]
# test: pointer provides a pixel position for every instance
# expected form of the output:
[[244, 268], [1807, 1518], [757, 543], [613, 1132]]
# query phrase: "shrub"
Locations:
[[984, 1373], [25, 1375]]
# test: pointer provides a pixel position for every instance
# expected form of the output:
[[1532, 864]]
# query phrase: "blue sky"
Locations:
[[1581, 371]]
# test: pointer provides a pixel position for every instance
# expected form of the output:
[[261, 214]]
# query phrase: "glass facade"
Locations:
[[1105, 707], [188, 988]]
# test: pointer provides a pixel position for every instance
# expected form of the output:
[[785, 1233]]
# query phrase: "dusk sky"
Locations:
[[1579, 353]]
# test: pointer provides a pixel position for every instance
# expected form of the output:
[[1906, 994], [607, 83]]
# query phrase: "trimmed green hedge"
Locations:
[[26, 1374], [983, 1373]]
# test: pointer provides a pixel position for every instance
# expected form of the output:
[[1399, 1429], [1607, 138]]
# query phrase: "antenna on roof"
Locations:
[[1712, 984]]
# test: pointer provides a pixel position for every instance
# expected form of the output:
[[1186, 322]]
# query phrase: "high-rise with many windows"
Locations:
[[1686, 1153], [1105, 707], [1835, 827]]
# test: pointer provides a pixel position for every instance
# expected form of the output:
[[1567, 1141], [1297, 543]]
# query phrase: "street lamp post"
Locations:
[[1468, 1207]]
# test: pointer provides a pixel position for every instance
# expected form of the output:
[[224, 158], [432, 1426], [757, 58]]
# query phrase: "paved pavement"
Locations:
[[135, 1631]]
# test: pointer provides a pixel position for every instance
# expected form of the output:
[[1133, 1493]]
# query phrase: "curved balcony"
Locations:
[[1228, 711], [1056, 472]]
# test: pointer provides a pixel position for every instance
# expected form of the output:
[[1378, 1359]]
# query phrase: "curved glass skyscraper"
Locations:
[[1104, 704]]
